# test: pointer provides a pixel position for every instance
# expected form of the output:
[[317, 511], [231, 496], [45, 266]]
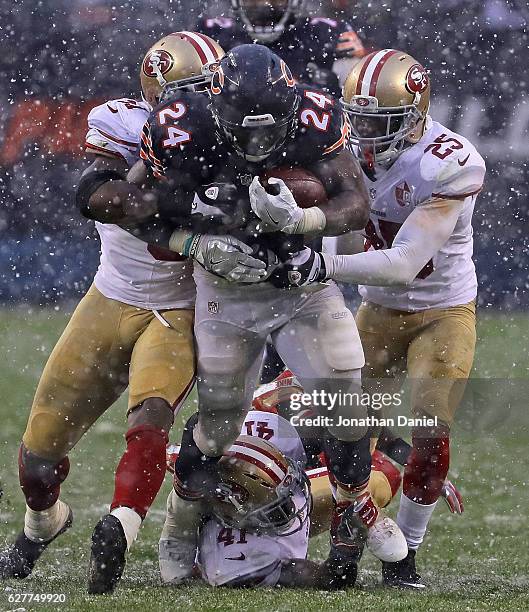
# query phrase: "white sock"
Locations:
[[43, 525], [130, 521], [413, 519]]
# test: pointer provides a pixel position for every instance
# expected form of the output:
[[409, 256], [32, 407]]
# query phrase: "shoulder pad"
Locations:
[[114, 128], [321, 118], [452, 165], [178, 123]]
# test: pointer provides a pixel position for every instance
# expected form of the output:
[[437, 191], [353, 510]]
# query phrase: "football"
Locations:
[[306, 187]]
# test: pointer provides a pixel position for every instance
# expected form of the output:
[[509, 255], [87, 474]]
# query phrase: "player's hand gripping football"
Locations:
[[278, 213], [305, 268]]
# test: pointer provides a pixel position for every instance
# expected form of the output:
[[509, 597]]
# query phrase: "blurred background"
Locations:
[[58, 58]]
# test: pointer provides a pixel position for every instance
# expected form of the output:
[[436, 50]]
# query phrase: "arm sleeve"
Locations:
[[421, 236]]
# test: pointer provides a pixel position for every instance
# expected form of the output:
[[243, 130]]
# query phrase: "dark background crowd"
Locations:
[[58, 58]]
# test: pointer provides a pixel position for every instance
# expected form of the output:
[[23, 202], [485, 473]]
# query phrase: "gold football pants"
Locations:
[[435, 347], [107, 346]]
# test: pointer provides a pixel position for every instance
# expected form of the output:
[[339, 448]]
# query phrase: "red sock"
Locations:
[[381, 463], [426, 469], [141, 471], [40, 479]]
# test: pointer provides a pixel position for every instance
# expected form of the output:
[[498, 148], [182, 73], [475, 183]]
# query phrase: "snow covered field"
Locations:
[[476, 562]]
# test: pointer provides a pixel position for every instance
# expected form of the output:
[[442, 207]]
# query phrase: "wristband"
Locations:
[[312, 222], [180, 241]]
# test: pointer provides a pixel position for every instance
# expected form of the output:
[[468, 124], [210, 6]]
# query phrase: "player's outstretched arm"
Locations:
[[419, 239], [421, 236], [104, 195]]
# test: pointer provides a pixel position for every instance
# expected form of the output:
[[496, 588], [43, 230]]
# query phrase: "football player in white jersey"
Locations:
[[258, 523], [133, 328], [416, 276]]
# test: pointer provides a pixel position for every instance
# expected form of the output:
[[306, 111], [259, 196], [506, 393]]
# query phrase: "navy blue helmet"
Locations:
[[254, 101], [265, 21]]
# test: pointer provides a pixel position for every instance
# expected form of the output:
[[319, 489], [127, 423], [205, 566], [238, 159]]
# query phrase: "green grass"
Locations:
[[475, 562]]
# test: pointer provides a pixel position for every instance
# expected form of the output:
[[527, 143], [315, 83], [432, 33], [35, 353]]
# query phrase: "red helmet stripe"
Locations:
[[205, 50], [317, 472], [264, 456], [370, 67], [264, 452], [210, 44], [262, 466], [367, 60], [376, 72]]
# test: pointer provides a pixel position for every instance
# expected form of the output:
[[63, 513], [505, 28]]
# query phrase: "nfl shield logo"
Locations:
[[294, 277], [213, 307], [403, 194], [246, 179]]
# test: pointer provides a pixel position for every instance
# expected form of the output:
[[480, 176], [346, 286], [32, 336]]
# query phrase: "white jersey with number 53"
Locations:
[[442, 164], [130, 270]]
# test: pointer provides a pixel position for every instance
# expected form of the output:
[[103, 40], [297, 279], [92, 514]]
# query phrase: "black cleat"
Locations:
[[339, 571], [19, 560], [107, 559], [402, 574], [348, 538]]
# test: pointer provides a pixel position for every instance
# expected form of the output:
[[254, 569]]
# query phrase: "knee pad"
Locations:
[[40, 479], [339, 338], [216, 432], [153, 412], [349, 414], [37, 469]]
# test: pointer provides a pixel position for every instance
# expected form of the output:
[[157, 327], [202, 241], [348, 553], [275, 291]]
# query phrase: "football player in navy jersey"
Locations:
[[210, 154], [318, 50], [310, 45]]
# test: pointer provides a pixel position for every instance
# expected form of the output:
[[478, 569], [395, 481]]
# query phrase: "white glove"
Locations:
[[278, 213], [224, 256]]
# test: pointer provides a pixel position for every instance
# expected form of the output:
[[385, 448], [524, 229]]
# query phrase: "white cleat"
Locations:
[[177, 560], [178, 544], [386, 541]]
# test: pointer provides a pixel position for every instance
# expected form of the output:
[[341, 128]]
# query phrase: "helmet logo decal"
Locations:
[[287, 74], [157, 63], [365, 102], [217, 81], [417, 79], [231, 492]]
